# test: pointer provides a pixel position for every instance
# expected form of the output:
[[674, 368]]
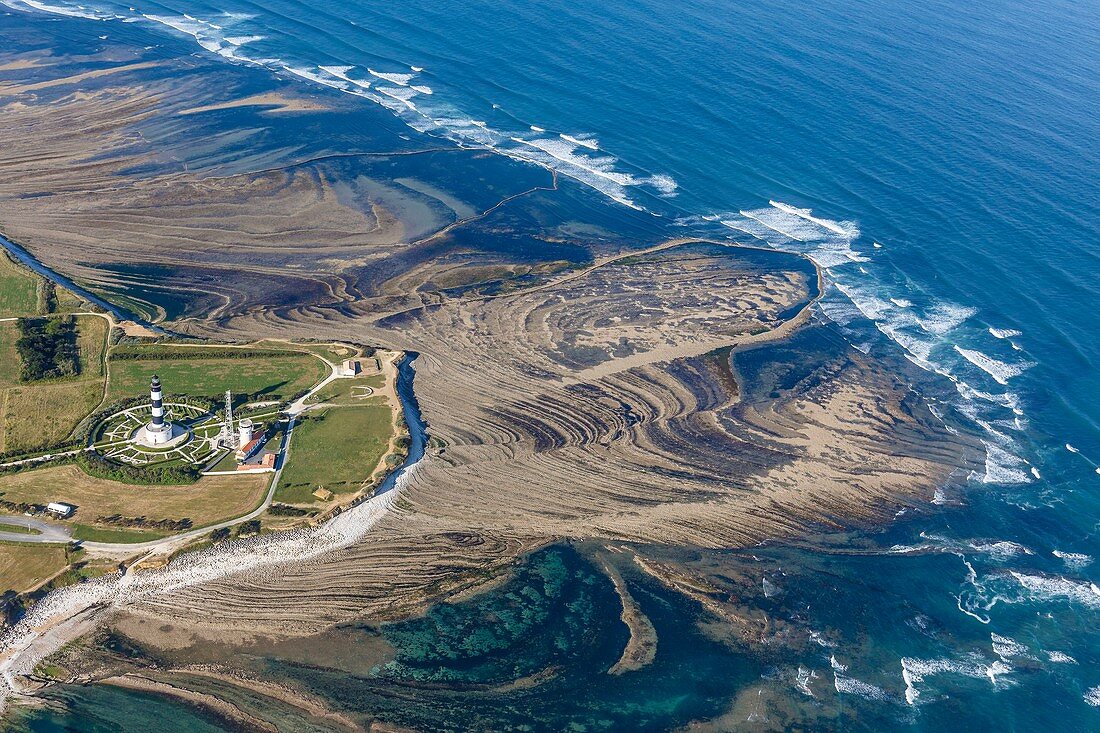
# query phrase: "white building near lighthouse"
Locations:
[[245, 431]]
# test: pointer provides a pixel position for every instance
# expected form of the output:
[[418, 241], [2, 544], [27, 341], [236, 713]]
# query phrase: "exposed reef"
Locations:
[[583, 375]]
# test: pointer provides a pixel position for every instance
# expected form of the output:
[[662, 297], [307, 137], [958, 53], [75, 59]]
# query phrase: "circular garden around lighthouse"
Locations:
[[114, 435]]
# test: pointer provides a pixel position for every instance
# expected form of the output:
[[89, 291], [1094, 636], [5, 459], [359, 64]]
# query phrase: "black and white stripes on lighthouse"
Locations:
[[158, 431], [158, 401]]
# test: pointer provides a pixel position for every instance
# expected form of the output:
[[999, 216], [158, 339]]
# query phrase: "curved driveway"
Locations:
[[48, 532]]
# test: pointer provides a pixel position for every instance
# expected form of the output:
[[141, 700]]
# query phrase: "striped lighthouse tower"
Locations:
[[158, 431], [158, 401]]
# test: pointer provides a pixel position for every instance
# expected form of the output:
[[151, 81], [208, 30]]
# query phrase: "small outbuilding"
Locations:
[[323, 494], [351, 368], [60, 509]]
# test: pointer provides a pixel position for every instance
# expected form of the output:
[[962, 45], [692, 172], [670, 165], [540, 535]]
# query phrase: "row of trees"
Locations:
[[47, 348], [96, 465], [119, 520], [137, 353]]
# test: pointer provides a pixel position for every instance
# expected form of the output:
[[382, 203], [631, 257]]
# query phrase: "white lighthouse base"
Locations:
[[160, 436]]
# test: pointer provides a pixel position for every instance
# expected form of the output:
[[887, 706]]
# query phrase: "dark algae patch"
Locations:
[[533, 654], [548, 618], [104, 709]]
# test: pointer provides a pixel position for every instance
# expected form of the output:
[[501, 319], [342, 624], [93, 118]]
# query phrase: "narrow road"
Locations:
[[47, 531], [170, 543]]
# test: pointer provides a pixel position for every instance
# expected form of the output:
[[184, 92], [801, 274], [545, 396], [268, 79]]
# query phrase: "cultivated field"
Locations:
[[338, 449], [210, 499], [273, 377]]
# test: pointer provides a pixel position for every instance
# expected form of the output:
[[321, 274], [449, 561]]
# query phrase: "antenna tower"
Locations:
[[228, 433]]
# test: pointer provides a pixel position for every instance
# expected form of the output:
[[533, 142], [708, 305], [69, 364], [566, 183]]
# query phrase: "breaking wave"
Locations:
[[914, 671], [941, 337], [571, 155]]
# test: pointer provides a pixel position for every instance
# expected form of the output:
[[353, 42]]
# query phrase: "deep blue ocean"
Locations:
[[940, 159]]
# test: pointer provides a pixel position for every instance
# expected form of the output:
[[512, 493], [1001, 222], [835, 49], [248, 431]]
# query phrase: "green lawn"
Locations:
[[17, 529], [274, 377], [98, 534], [337, 449], [18, 289], [350, 390]]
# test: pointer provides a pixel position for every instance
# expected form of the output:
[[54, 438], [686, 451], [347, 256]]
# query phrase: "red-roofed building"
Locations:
[[249, 448]]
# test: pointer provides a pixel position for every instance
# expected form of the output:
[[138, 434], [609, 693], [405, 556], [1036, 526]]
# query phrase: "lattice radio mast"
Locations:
[[229, 435]]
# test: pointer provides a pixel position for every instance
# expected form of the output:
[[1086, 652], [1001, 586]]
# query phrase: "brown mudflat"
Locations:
[[587, 398]]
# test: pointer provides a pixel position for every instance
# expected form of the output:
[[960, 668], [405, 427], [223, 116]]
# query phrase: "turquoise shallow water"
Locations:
[[948, 154]]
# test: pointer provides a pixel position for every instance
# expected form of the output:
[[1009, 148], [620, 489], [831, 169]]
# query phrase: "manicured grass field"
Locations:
[[208, 500], [18, 289], [350, 390], [275, 377], [90, 533], [337, 449], [24, 566], [17, 529], [44, 413]]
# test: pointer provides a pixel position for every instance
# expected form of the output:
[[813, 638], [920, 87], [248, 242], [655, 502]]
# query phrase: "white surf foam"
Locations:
[[1060, 658], [404, 95], [945, 317], [340, 72], [1004, 333], [1092, 696], [1007, 648], [914, 671], [802, 680], [1057, 588], [78, 11], [585, 142], [846, 685], [1073, 560], [1002, 467], [598, 172], [999, 370], [208, 35], [398, 79], [845, 229]]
